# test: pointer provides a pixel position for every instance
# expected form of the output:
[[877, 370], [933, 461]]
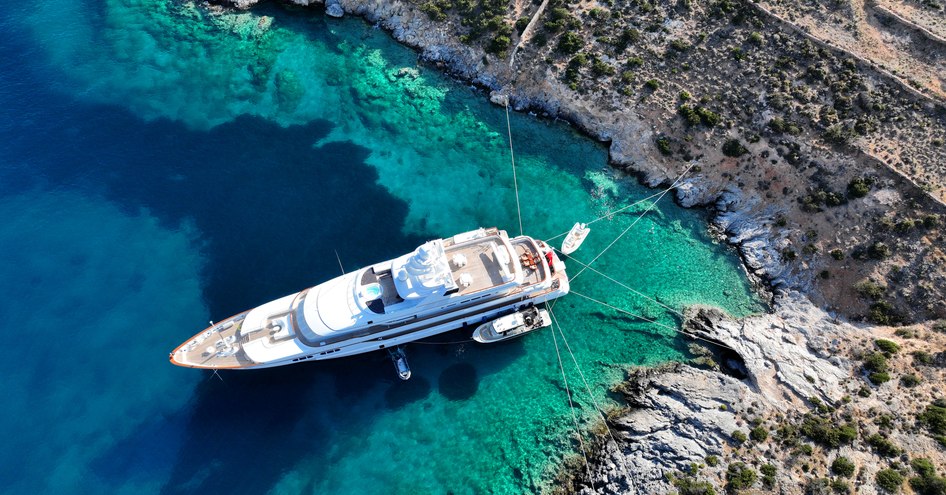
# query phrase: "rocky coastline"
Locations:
[[801, 354]]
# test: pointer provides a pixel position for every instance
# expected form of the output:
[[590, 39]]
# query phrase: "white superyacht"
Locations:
[[443, 285]]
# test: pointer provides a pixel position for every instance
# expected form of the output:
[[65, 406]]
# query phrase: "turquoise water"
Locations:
[[161, 165]]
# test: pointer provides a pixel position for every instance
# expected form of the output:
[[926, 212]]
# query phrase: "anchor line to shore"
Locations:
[[608, 215], [650, 320], [512, 158], [629, 227], [625, 286], [571, 404], [591, 396]]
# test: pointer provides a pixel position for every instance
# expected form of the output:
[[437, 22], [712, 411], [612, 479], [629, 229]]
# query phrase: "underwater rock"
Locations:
[[289, 90]]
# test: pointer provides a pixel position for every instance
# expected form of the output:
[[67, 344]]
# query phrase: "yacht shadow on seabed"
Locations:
[[267, 421]]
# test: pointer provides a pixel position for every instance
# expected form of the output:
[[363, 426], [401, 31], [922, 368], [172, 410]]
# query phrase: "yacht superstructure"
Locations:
[[443, 285]]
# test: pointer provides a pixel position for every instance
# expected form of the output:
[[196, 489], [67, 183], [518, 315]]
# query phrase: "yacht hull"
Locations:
[[470, 279]]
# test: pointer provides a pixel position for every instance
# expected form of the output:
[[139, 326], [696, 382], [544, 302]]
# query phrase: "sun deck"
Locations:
[[480, 265]]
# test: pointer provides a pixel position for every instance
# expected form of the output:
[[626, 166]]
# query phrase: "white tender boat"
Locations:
[[511, 326], [442, 285], [575, 237]]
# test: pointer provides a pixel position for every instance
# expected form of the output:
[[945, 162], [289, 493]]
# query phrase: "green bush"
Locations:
[[878, 250], [823, 431], [883, 446], [560, 19], [869, 289], [884, 421], [689, 115], [759, 434], [521, 24], [923, 467], [570, 43], [875, 361], [904, 226], [689, 485], [934, 418], [663, 145], [600, 68], [739, 437], [922, 358], [787, 434], [709, 118], [697, 115], [888, 347], [578, 61], [627, 38], [889, 480], [679, 45], [842, 466], [768, 475], [733, 148], [926, 482], [858, 187], [433, 11], [878, 378], [499, 44], [652, 84], [598, 13], [780, 125], [840, 486], [909, 380], [931, 221], [739, 477], [837, 134], [712, 461], [882, 313], [837, 254]]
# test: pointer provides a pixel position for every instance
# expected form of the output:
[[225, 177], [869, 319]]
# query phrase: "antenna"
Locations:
[[339, 261]]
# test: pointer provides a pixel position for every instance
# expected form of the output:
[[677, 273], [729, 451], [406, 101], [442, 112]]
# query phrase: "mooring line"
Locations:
[[592, 397], [512, 158], [652, 205], [571, 405]]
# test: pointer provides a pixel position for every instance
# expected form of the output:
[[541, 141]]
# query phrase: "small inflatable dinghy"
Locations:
[[575, 237]]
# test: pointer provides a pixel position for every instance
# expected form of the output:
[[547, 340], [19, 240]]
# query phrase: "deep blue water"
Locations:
[[160, 167]]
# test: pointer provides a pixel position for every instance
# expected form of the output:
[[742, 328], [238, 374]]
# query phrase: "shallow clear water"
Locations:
[[161, 166]]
